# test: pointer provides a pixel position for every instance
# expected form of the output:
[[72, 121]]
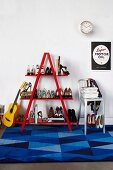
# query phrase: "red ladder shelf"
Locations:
[[46, 55]]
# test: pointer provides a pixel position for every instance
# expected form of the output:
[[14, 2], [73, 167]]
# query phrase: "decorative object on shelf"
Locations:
[[101, 55], [86, 27]]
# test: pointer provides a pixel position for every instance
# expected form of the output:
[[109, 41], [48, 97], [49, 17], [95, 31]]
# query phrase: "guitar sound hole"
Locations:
[[11, 110], [7, 119]]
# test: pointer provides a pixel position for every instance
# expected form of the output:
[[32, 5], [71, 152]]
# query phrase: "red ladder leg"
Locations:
[[32, 95], [58, 88]]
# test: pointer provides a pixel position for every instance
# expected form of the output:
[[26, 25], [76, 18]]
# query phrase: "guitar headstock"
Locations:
[[23, 84]]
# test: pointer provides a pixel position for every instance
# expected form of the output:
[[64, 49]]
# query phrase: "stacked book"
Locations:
[[89, 92]]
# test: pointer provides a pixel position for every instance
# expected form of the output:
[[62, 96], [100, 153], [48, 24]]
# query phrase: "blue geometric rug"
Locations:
[[56, 144]]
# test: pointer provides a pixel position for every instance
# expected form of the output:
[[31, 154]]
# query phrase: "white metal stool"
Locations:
[[81, 84]]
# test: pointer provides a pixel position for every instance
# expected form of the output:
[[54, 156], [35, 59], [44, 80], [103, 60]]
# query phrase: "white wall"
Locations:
[[28, 28]]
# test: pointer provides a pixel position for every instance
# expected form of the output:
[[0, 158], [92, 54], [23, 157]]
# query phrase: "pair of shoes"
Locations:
[[31, 71], [91, 122], [99, 121], [44, 93], [58, 112], [57, 94], [67, 93], [50, 94], [51, 112], [71, 115], [48, 71]]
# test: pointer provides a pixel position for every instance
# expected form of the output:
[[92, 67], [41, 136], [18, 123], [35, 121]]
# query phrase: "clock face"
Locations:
[[101, 54], [86, 27]]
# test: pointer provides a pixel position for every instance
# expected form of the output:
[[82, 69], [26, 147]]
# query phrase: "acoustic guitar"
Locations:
[[9, 117]]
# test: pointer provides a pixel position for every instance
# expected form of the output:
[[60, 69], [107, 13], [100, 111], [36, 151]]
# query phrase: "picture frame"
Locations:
[[101, 55]]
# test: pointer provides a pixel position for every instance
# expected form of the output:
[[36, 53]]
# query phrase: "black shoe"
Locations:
[[47, 70], [35, 94], [69, 115], [73, 115], [50, 71]]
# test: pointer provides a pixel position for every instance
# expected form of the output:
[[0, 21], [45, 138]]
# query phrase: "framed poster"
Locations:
[[101, 55]]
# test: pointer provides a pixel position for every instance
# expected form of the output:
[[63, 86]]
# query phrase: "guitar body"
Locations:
[[9, 117]]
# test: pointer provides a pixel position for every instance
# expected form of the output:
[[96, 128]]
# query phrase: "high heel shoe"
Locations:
[[37, 69], [47, 70], [93, 122], [64, 69], [61, 112], [89, 120], [97, 121], [57, 111], [42, 70], [69, 93], [101, 123], [48, 94], [51, 112], [65, 94], [56, 94]]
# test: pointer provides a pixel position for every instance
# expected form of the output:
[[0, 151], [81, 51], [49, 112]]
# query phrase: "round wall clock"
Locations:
[[86, 27]]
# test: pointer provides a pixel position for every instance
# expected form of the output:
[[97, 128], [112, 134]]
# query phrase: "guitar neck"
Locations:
[[16, 99]]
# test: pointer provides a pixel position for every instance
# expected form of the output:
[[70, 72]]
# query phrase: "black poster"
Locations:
[[101, 55]]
